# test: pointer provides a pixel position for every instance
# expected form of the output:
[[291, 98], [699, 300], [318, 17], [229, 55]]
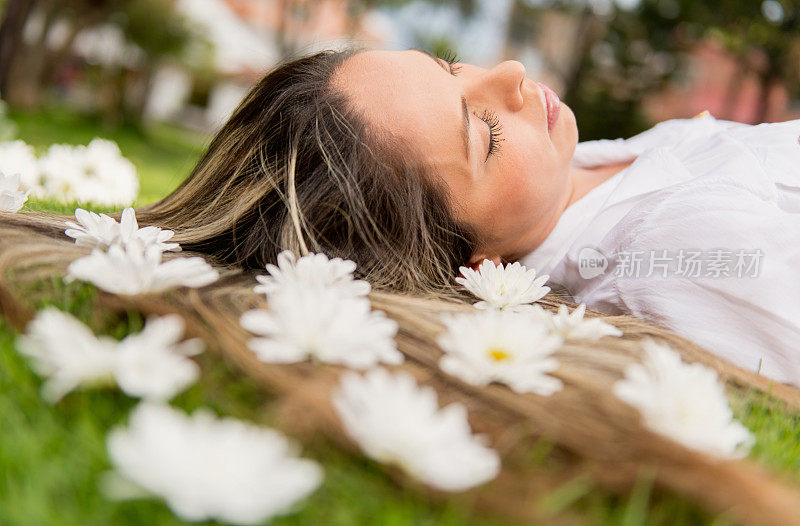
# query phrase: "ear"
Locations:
[[476, 260]]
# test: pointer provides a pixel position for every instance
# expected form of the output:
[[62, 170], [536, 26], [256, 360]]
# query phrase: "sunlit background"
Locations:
[[622, 65]]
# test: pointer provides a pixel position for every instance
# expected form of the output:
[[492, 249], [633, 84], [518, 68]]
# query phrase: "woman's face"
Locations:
[[484, 131]]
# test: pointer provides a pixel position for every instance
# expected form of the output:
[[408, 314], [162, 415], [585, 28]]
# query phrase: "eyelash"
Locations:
[[452, 60], [495, 132], [489, 117]]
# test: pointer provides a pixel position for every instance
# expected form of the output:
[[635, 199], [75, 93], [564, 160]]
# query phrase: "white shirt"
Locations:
[[710, 209]]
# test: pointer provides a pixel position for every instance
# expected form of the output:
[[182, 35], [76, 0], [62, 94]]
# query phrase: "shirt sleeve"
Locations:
[[718, 264]]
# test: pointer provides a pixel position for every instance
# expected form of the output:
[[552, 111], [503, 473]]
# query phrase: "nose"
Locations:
[[504, 81]]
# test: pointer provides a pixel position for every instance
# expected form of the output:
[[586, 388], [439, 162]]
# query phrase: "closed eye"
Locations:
[[489, 117], [495, 132], [452, 60], [448, 64]]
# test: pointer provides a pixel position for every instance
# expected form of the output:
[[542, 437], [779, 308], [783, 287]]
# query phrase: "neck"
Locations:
[[583, 180]]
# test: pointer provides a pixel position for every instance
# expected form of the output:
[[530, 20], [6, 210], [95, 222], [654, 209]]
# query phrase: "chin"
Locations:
[[569, 122], [565, 133]]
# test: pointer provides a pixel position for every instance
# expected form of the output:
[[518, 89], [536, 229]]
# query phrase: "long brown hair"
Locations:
[[296, 169]]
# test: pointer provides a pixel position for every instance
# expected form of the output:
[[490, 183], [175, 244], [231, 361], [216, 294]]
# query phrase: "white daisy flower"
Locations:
[[67, 352], [61, 177], [97, 173], [512, 348], [512, 287], [18, 158], [118, 182], [136, 269], [575, 326], [395, 421], [101, 231], [154, 363], [209, 468], [314, 270], [11, 197], [150, 364], [684, 402], [324, 324]]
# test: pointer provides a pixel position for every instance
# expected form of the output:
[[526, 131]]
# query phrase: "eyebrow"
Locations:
[[439, 62], [464, 108]]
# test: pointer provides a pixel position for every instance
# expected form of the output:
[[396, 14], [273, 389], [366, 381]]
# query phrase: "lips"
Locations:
[[552, 105]]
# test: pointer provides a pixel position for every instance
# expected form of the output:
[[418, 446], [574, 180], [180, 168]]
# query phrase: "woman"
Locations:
[[711, 204], [397, 161], [486, 159]]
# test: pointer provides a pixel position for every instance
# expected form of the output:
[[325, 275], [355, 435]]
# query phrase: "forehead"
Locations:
[[406, 94]]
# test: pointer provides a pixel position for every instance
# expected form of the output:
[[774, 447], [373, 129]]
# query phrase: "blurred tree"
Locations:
[[608, 58], [439, 45], [8, 129], [618, 52], [41, 35], [294, 12], [27, 32], [763, 35], [161, 34], [16, 13], [289, 9], [467, 8]]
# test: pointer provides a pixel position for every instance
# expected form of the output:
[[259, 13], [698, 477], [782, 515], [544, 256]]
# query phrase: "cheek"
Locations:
[[525, 185], [533, 176]]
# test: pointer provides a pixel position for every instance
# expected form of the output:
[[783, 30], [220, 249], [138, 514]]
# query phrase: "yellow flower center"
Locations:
[[499, 355]]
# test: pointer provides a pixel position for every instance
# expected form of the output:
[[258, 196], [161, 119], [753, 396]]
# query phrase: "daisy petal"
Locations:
[[501, 346], [12, 197], [322, 323], [101, 231], [512, 287], [684, 402], [96, 173], [153, 363], [67, 353], [209, 468], [395, 421], [134, 269], [312, 270], [575, 326]]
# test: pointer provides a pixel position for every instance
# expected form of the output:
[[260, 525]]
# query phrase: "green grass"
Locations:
[[52, 457]]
